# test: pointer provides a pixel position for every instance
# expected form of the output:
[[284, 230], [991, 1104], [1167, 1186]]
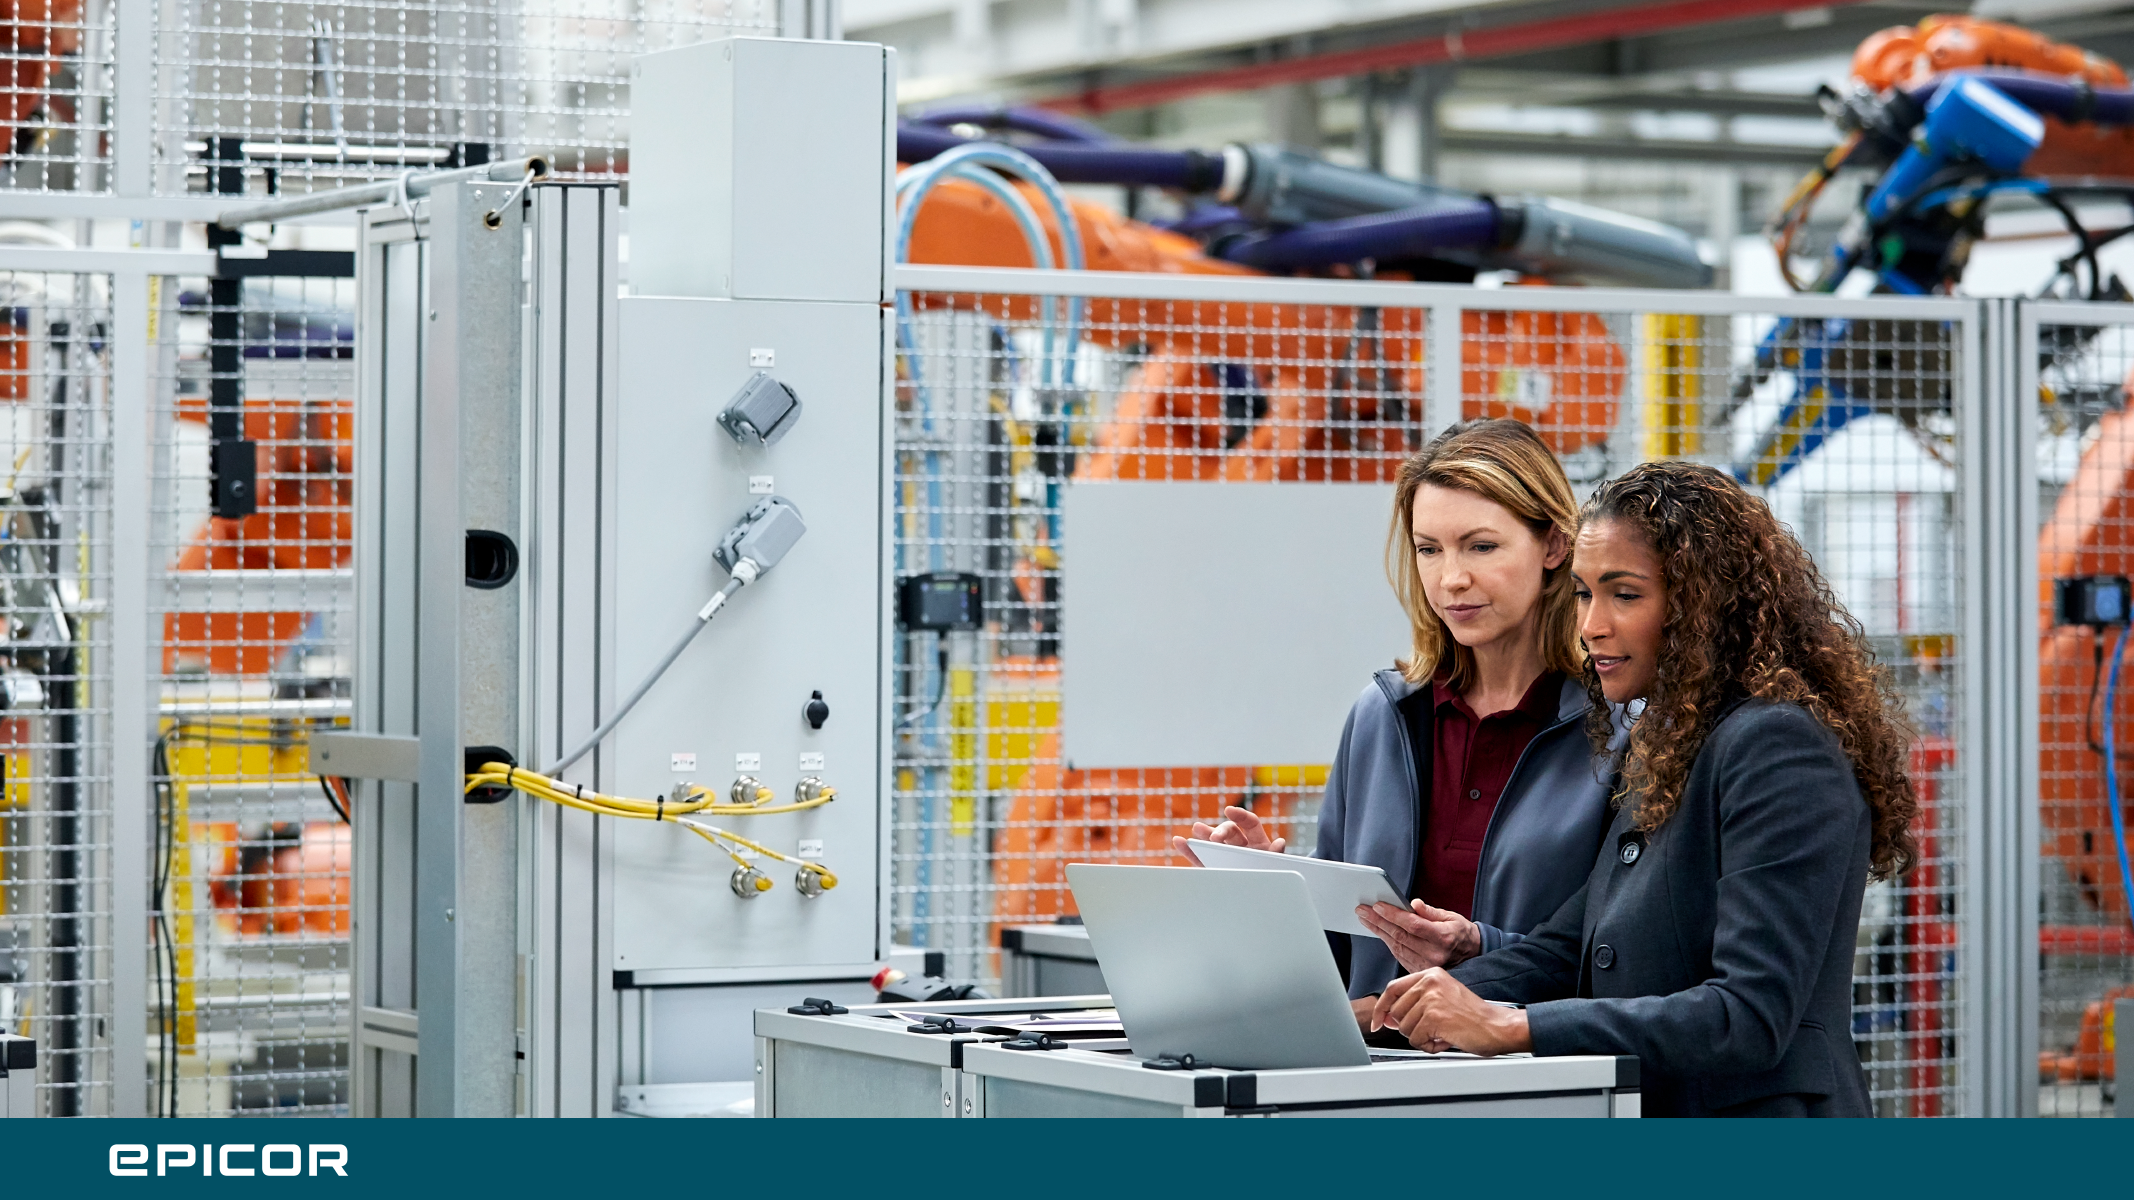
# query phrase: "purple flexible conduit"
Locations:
[[1423, 232], [1021, 119], [1409, 233], [2068, 99], [1133, 166]]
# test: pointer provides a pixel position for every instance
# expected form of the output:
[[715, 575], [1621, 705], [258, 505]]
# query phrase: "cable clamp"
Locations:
[[816, 1006], [937, 1024], [1169, 1062]]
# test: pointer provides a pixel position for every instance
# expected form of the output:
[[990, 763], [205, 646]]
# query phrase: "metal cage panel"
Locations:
[[1844, 416]]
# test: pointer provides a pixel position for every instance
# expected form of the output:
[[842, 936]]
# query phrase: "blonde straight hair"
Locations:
[[1504, 461]]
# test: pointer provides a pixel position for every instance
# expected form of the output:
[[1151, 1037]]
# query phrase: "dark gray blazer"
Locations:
[[1720, 950], [1541, 839]]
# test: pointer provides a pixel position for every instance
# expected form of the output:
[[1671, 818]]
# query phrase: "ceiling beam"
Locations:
[[1455, 46]]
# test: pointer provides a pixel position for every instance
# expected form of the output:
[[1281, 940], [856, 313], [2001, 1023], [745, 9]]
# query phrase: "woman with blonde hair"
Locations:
[[1464, 771]]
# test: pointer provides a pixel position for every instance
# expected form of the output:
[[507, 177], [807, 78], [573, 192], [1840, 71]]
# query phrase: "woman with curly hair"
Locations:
[[1763, 784]]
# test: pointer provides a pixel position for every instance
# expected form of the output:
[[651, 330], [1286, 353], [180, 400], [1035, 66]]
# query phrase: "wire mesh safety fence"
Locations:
[[56, 940], [310, 95], [1847, 426], [56, 94], [251, 853], [2083, 363], [316, 95]]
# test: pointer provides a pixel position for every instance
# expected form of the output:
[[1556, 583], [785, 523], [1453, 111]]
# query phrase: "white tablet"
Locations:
[[1336, 887]]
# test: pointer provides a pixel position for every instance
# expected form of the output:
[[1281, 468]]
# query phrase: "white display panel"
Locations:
[[1222, 624], [813, 623]]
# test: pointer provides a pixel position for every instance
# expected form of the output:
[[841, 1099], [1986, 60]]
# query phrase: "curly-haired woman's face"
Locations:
[[1481, 567], [1622, 607]]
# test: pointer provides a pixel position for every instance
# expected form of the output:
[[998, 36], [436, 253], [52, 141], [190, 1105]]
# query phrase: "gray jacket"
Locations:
[[1541, 839], [1718, 949]]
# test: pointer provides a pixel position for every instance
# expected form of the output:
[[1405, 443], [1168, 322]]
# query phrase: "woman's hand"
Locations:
[[1436, 1012], [1427, 937], [1239, 828]]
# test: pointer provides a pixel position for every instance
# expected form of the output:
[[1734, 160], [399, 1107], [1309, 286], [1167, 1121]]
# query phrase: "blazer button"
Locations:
[[1604, 957], [1629, 853]]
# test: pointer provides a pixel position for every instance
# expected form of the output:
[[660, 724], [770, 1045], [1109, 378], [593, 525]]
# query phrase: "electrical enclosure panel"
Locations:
[[735, 701], [753, 170]]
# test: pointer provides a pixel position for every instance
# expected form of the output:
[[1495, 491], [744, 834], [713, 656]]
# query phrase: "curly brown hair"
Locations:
[[1749, 614]]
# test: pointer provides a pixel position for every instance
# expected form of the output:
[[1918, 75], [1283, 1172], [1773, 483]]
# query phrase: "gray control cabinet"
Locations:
[[734, 703]]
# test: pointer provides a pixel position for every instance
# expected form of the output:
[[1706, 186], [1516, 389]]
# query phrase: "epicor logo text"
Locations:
[[236, 1158]]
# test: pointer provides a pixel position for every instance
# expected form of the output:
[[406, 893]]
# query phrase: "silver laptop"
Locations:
[[1230, 967]]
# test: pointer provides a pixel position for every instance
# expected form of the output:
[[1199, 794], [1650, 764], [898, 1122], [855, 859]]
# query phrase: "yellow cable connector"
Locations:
[[689, 799]]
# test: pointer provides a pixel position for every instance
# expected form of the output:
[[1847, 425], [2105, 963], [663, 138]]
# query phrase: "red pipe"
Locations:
[[1457, 46], [2102, 940]]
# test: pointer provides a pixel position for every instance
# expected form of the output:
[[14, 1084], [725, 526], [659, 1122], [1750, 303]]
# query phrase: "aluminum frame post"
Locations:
[[436, 974], [2001, 717], [573, 418], [466, 877]]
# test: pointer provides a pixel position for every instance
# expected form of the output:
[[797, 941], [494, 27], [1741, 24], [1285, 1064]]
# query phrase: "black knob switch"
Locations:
[[817, 711]]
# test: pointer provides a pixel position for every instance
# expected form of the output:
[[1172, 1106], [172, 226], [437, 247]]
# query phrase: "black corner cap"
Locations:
[[1208, 1091], [474, 758], [816, 1006], [624, 979], [1241, 1091], [937, 966], [1010, 939], [1626, 1071], [20, 1053]]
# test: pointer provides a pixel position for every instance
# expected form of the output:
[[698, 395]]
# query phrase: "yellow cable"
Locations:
[[713, 833], [541, 787]]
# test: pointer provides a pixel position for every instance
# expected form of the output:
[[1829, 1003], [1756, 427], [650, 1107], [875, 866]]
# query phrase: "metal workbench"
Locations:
[[859, 1063], [1048, 960]]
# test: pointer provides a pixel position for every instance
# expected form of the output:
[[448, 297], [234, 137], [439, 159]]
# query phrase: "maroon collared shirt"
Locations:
[[1471, 761]]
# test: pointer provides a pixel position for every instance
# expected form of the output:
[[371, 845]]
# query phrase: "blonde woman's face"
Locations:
[[1480, 567]]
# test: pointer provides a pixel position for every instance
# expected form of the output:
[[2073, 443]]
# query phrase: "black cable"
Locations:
[[166, 844], [166, 952], [2087, 251], [940, 686], [333, 797]]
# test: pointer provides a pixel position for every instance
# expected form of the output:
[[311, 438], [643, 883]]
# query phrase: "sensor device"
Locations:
[[941, 601], [2098, 601]]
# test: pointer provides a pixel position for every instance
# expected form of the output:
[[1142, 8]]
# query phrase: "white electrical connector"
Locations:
[[757, 542]]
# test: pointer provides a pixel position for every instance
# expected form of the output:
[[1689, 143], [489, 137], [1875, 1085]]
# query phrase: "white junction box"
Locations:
[[739, 694], [743, 158]]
